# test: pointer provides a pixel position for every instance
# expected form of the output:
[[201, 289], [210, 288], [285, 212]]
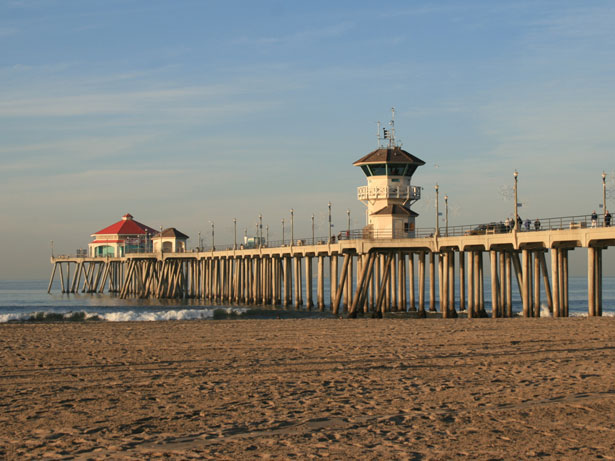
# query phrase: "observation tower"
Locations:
[[389, 192]]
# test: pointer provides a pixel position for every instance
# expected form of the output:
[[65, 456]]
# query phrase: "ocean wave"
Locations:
[[118, 316]]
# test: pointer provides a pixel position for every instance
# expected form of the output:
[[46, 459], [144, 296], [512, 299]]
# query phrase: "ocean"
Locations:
[[21, 300]]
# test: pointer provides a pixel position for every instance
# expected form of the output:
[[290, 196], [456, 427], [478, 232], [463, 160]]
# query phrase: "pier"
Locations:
[[364, 274], [379, 268]]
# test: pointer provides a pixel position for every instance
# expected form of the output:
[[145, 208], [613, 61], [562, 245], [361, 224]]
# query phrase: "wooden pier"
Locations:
[[362, 275]]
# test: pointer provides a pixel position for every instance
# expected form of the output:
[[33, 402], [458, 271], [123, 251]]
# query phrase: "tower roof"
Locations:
[[126, 226], [393, 209], [394, 154], [173, 233]]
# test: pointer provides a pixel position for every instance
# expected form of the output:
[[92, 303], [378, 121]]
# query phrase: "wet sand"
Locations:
[[309, 388]]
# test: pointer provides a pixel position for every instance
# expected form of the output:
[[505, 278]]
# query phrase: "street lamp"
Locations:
[[235, 233], [199, 241], [213, 243], [329, 204], [516, 174], [437, 210], [348, 228], [260, 226], [604, 194], [446, 212], [160, 239], [282, 231], [292, 227], [267, 238], [52, 248], [312, 228]]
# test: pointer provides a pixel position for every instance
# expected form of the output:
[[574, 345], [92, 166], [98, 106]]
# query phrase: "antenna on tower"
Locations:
[[392, 123], [378, 134]]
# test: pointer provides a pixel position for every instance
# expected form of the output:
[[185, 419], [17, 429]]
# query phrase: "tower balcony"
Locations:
[[389, 192]]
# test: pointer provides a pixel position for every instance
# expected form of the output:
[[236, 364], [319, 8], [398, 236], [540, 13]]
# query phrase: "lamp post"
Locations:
[[52, 248], [292, 227], [446, 212], [213, 243], [199, 241], [604, 195], [282, 231], [260, 227], [329, 204], [348, 227], [235, 233], [312, 228], [437, 210], [267, 236], [160, 239], [516, 174]]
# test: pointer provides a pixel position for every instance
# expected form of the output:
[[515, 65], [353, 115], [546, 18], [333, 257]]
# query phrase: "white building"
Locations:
[[389, 192], [171, 240]]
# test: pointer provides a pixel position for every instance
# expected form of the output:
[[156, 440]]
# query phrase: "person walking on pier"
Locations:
[[537, 224], [519, 224], [528, 224], [594, 219], [507, 224], [607, 219]]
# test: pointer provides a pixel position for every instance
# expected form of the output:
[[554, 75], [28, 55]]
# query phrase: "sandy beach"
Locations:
[[309, 388]]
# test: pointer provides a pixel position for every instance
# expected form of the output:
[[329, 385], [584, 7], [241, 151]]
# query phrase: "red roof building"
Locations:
[[124, 236]]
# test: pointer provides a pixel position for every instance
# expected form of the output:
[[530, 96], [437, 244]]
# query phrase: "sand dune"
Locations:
[[309, 388]]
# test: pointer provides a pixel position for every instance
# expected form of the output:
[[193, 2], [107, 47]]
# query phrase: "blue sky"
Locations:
[[189, 111]]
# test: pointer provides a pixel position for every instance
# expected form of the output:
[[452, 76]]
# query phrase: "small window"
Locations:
[[365, 169], [406, 227], [379, 170]]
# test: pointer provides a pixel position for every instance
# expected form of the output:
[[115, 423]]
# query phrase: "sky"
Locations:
[[187, 112]]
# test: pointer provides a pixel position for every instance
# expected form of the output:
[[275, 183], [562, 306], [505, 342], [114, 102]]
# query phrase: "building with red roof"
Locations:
[[124, 236]]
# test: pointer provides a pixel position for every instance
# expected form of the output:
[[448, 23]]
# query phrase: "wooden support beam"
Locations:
[[555, 281], [342, 284], [494, 283], [308, 283], [462, 281], [525, 294], [411, 280], [53, 273], [383, 284], [591, 282], [320, 287], [443, 265], [518, 273], [361, 285], [471, 276], [536, 312], [432, 282], [508, 275]]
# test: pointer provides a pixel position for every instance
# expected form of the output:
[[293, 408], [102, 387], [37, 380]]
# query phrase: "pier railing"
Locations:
[[495, 227], [376, 192]]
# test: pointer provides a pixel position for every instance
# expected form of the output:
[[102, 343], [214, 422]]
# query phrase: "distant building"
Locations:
[[172, 241], [122, 237]]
